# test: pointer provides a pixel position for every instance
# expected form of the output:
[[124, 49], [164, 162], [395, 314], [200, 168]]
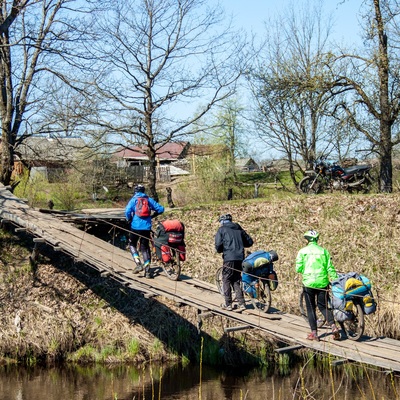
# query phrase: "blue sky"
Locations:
[[251, 14]]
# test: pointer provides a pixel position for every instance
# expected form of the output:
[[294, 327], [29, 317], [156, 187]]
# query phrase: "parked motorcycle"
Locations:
[[331, 176]]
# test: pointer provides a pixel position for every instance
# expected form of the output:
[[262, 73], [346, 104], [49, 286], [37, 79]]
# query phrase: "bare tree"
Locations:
[[375, 83], [35, 36], [158, 58], [293, 98]]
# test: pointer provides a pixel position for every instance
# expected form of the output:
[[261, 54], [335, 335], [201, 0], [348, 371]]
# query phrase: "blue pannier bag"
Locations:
[[349, 286]]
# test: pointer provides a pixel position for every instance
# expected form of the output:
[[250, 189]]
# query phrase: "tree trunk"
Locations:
[[6, 163], [385, 143], [386, 166]]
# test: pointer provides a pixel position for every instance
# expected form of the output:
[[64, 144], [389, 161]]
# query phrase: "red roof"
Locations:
[[169, 151]]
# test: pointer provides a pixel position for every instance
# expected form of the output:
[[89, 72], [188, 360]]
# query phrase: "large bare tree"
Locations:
[[36, 37], [293, 101], [374, 79], [159, 58]]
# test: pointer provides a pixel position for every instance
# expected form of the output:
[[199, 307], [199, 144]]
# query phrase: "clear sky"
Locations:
[[251, 15]]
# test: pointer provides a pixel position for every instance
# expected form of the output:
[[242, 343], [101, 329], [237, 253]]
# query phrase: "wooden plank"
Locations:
[[237, 328], [289, 349]]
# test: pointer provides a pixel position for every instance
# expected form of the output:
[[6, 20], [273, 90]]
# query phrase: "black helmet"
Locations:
[[225, 217], [274, 255], [139, 188], [311, 236]]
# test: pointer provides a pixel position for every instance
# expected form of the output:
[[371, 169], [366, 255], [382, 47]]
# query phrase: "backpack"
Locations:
[[142, 207]]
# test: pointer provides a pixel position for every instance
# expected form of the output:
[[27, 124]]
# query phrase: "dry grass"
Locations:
[[361, 232], [66, 310]]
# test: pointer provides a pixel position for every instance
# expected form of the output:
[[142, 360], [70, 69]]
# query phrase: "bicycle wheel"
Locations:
[[173, 268], [303, 311], [218, 281], [264, 296], [354, 328]]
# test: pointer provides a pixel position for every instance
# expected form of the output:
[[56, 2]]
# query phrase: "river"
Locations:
[[195, 383]]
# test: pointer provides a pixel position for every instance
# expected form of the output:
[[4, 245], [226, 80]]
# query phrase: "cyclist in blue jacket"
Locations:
[[141, 227]]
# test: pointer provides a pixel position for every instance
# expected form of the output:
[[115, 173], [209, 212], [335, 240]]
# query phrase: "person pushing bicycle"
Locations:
[[230, 240], [139, 213], [315, 264]]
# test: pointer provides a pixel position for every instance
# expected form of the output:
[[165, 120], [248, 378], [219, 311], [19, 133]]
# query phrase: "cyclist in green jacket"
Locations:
[[315, 264]]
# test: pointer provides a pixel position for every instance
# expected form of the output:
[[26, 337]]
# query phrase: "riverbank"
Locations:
[[63, 310]]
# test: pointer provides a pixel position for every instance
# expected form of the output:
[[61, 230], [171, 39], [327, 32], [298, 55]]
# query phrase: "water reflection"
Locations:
[[161, 382]]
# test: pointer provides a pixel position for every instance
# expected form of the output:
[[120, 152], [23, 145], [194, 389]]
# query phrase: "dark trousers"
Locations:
[[231, 277], [317, 298], [144, 237]]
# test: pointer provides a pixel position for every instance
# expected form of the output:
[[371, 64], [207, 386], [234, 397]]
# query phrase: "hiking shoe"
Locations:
[[227, 308], [148, 275], [313, 336], [138, 269], [336, 334], [242, 307]]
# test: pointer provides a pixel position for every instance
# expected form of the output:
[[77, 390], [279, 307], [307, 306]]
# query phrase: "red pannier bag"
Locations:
[[175, 231]]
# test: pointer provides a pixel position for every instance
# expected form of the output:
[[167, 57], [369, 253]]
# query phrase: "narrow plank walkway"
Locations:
[[117, 263]]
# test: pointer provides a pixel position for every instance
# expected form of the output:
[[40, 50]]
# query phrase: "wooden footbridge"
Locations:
[[116, 263]]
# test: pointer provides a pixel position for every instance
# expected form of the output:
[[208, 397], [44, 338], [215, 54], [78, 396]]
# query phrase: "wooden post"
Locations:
[[230, 194], [169, 197], [256, 187]]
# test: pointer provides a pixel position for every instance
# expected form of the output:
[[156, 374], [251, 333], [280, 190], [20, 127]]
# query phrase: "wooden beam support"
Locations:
[[340, 361], [237, 328], [20, 229], [39, 240], [288, 349]]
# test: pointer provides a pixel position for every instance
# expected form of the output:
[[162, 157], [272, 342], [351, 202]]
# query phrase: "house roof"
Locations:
[[169, 151], [243, 162], [207, 149], [45, 148]]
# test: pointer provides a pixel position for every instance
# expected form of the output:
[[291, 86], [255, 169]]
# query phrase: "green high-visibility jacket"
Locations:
[[314, 263]]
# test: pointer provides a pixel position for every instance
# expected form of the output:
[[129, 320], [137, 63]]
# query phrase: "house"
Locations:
[[165, 154], [47, 154], [171, 154], [246, 165]]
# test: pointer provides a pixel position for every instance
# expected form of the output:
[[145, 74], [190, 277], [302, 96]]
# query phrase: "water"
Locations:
[[168, 383]]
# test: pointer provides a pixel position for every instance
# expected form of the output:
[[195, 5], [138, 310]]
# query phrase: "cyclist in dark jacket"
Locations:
[[230, 240]]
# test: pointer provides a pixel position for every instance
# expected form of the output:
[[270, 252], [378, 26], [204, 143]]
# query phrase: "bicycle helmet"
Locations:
[[274, 255], [312, 236], [225, 217], [139, 188]]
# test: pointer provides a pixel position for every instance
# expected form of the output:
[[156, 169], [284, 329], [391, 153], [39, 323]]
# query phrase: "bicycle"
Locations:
[[172, 268], [263, 300], [353, 327]]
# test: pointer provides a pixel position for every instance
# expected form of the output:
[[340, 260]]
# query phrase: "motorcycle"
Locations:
[[331, 176]]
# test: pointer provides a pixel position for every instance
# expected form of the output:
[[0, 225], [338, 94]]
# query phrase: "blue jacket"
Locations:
[[141, 223]]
